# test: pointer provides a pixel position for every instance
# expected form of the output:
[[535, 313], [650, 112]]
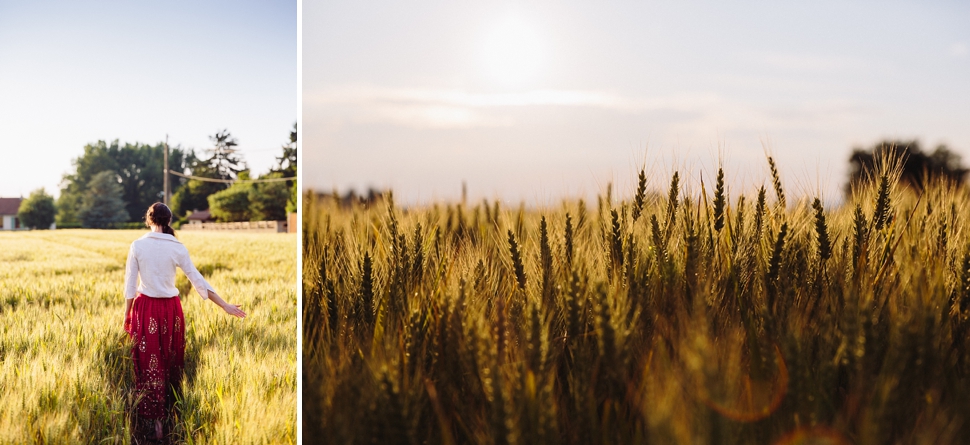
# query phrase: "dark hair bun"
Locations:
[[159, 215]]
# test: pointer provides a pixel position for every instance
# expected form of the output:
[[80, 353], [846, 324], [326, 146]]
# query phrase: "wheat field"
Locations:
[[681, 315], [65, 368]]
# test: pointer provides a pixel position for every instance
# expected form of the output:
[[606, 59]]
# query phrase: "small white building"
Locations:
[[8, 213]]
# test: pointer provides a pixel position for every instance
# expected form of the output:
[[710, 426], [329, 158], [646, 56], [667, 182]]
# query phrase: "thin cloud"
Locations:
[[452, 108], [358, 95]]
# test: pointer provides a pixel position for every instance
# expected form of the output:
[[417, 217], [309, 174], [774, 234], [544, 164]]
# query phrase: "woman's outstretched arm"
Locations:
[[202, 286], [231, 309]]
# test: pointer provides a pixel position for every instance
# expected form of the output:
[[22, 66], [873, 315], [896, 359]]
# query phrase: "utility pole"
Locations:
[[165, 193]]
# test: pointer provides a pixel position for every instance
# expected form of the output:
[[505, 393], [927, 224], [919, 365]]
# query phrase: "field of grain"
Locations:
[[683, 315], [65, 368]]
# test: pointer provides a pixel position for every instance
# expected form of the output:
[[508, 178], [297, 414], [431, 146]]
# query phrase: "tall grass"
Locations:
[[65, 367], [672, 318]]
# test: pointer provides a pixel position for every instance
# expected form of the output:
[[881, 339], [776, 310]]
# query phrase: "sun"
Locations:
[[512, 52]]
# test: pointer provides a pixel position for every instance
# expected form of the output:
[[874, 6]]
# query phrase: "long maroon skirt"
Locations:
[[158, 329]]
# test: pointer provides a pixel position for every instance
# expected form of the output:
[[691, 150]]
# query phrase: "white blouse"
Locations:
[[154, 258]]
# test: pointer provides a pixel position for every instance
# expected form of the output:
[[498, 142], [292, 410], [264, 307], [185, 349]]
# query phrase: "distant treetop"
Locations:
[[917, 166]]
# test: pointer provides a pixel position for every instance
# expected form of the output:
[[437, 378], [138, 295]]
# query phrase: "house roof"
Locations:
[[9, 206], [200, 215]]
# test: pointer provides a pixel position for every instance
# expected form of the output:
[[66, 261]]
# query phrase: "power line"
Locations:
[[260, 150], [241, 150], [231, 181]]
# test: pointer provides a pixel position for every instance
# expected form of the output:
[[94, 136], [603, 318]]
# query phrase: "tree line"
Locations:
[[116, 183], [112, 184]]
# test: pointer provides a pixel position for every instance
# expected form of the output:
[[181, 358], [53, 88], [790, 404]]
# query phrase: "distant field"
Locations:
[[683, 315], [65, 369]]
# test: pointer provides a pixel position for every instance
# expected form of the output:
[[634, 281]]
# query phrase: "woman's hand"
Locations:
[[128, 304], [231, 309]]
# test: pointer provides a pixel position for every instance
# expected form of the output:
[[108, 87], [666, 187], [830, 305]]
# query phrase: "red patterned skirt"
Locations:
[[158, 329]]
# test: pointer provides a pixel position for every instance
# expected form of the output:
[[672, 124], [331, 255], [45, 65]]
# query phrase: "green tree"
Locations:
[[232, 204], [138, 167], [291, 202], [224, 162], [918, 166], [67, 205], [286, 166], [96, 158], [194, 195], [268, 200], [102, 205], [37, 211]]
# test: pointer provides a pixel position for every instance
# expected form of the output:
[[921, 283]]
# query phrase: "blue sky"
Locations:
[[536, 100], [72, 73]]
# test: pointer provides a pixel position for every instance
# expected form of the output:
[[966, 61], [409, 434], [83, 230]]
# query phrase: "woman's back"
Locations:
[[153, 258]]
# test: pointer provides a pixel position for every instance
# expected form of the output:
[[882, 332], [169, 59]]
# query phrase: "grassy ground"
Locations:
[[684, 316], [65, 369]]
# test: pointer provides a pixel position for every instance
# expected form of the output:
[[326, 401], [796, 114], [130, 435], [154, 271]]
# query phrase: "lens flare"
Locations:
[[813, 436], [747, 394]]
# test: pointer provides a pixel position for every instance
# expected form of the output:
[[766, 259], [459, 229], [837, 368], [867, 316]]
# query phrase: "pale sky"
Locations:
[[72, 73], [538, 100]]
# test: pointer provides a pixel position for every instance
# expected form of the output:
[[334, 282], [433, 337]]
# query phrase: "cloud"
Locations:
[[453, 108], [432, 116], [680, 113]]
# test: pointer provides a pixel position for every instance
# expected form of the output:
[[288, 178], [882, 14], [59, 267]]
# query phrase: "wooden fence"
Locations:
[[246, 226]]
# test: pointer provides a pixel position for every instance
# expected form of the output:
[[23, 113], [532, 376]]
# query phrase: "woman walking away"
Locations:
[[153, 314]]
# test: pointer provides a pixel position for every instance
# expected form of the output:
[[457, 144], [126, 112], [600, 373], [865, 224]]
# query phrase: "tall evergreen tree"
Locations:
[[286, 163], [223, 164], [286, 166]]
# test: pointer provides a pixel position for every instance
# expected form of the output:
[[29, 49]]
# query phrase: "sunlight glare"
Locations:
[[512, 52]]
